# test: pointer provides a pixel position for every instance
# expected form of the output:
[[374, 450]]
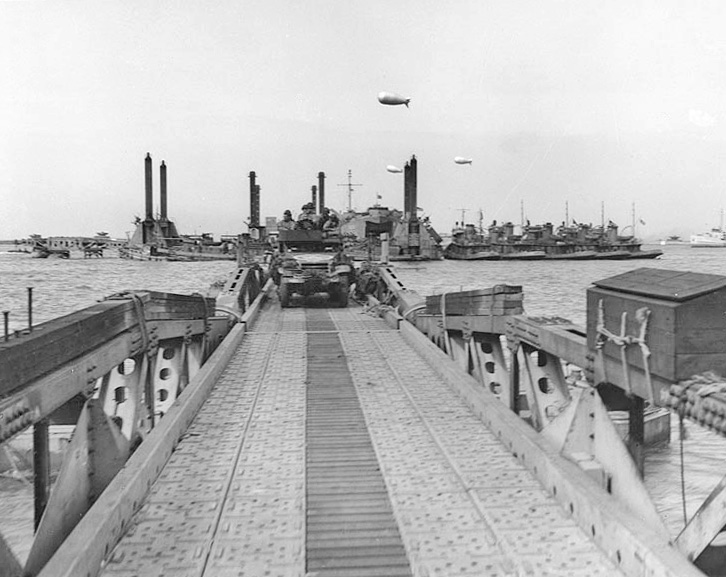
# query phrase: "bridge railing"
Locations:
[[648, 331], [113, 370]]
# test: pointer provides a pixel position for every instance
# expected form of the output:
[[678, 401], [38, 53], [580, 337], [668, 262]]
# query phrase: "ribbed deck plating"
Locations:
[[351, 530]]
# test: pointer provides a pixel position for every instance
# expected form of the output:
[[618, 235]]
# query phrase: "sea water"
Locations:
[[551, 288]]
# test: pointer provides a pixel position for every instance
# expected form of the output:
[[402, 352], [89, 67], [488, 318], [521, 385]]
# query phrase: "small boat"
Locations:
[[715, 238], [673, 239]]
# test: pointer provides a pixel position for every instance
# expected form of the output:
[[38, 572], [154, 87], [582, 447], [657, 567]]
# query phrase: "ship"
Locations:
[[578, 241], [468, 243], [157, 238], [673, 239], [365, 233], [714, 238], [409, 238]]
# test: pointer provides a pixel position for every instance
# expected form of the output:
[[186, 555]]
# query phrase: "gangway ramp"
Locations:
[[331, 446]]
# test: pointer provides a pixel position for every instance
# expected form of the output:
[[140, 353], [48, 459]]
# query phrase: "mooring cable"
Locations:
[[681, 434]]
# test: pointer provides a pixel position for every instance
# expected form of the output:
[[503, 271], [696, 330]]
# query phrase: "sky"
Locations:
[[566, 107]]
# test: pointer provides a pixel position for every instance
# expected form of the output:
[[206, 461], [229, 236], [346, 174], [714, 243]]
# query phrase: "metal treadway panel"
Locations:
[[230, 501], [328, 447], [465, 505], [350, 526]]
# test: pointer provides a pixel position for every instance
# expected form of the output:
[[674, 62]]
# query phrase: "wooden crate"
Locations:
[[497, 300], [686, 325]]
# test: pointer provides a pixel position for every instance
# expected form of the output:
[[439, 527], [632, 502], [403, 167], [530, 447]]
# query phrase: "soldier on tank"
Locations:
[[287, 223], [307, 218]]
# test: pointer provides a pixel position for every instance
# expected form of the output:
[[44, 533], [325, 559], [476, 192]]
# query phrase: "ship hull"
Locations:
[[512, 252], [147, 253], [714, 239], [580, 255], [525, 255], [469, 252]]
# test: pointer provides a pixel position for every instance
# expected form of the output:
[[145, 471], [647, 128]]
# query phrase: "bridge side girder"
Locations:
[[128, 402], [97, 451], [563, 342], [85, 547], [632, 545], [37, 400], [543, 382]]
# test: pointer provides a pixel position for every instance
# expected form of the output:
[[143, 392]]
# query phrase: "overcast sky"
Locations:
[[583, 102]]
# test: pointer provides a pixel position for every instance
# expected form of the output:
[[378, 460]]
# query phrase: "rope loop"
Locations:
[[141, 317]]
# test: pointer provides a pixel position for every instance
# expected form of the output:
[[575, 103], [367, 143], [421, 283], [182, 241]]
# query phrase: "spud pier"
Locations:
[[410, 436]]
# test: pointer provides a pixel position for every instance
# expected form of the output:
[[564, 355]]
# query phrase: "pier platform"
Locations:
[[330, 446]]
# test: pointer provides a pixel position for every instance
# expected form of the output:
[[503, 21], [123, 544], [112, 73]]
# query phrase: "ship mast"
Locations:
[[350, 186], [463, 216]]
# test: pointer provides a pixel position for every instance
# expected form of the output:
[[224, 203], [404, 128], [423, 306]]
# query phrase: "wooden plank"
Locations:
[[496, 300], [164, 306], [669, 285], [690, 364], [61, 340], [704, 312], [558, 337], [52, 390], [171, 329], [701, 342], [56, 342], [479, 324]]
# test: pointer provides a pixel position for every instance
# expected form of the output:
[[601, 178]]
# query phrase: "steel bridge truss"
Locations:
[[114, 370], [542, 370]]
